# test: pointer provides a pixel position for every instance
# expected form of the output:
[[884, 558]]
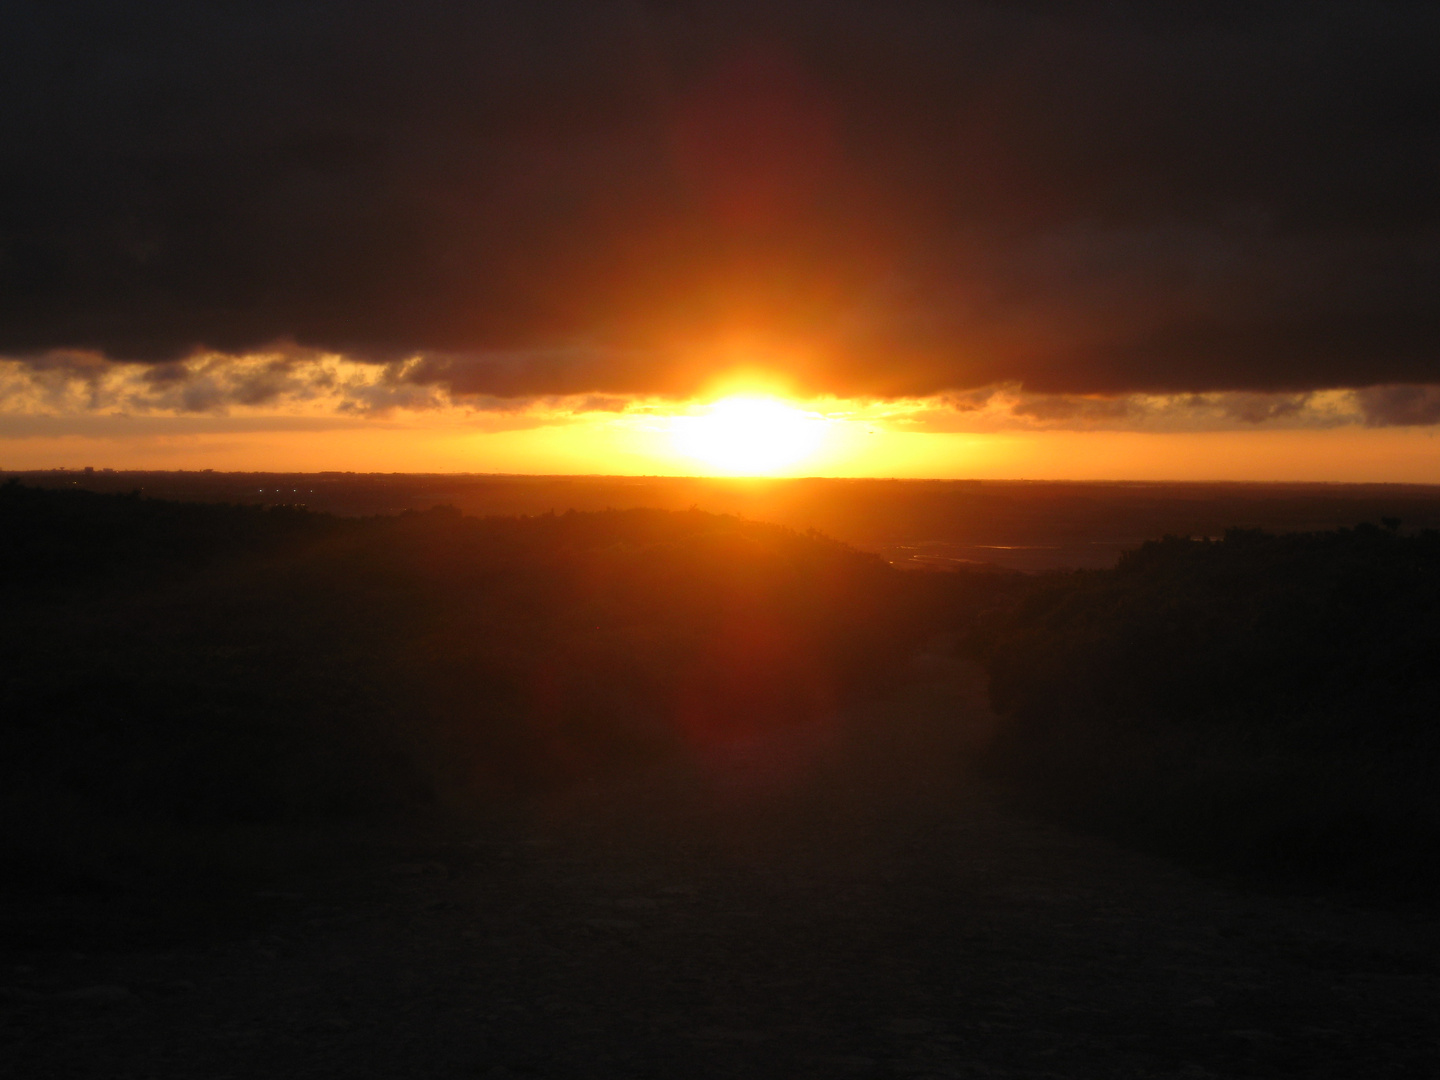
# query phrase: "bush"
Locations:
[[1265, 701]]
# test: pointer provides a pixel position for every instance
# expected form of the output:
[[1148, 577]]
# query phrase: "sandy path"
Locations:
[[824, 905]]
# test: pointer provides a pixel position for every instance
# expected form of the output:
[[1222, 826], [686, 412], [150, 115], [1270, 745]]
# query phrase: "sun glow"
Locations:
[[749, 436]]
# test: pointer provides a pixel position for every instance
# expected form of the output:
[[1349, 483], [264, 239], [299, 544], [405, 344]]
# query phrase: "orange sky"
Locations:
[[654, 443]]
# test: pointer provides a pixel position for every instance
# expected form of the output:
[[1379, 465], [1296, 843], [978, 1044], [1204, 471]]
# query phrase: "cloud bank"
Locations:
[[1093, 201], [313, 390]]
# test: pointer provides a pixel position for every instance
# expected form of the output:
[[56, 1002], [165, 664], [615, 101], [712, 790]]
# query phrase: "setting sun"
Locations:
[[749, 436]]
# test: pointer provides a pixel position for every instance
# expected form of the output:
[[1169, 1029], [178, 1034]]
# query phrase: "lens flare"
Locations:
[[746, 436]]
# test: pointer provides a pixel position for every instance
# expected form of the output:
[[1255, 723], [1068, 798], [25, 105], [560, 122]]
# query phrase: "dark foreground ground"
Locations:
[[838, 903]]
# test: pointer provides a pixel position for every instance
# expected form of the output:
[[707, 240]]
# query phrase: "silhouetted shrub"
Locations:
[[1265, 699]]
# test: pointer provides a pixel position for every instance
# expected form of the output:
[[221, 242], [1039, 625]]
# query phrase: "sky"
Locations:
[[1088, 240]]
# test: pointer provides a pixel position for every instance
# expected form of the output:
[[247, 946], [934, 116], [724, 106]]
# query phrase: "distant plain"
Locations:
[[1027, 525]]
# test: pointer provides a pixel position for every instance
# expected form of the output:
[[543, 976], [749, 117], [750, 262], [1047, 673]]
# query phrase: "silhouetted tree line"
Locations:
[[1270, 700]]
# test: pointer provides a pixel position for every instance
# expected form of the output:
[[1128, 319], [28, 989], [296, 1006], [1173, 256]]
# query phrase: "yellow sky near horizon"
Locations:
[[650, 444]]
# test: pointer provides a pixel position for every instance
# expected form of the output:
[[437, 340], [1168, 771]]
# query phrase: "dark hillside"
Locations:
[[1265, 700], [54, 541], [1262, 701], [652, 793], [203, 665]]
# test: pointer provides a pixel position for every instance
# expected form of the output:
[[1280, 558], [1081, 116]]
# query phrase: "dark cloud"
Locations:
[[1001, 408], [1059, 407], [1400, 406], [886, 199], [1263, 408]]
